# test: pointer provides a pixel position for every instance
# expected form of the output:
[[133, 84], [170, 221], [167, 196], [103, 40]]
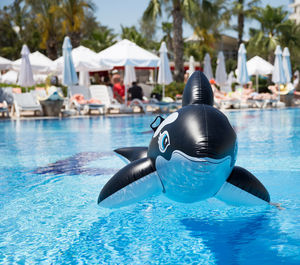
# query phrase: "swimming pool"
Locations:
[[51, 172]]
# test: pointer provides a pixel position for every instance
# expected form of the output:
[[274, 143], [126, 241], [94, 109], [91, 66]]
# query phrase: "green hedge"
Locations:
[[171, 90], [64, 88]]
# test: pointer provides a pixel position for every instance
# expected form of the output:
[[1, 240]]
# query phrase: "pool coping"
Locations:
[[32, 117]]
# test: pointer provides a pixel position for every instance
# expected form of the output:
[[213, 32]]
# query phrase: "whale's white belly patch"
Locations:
[[190, 179]]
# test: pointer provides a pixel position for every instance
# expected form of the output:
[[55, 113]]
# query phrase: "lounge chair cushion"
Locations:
[[26, 101]]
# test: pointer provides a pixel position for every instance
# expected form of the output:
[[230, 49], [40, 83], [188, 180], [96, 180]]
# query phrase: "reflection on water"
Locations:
[[75, 165], [227, 239], [245, 240]]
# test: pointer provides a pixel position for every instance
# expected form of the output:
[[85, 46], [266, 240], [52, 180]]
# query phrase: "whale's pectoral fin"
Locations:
[[243, 188], [132, 153], [132, 183]]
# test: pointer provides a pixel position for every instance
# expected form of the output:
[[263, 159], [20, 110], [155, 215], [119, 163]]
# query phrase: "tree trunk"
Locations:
[[75, 38], [169, 43], [241, 19], [51, 46], [271, 57], [178, 41]]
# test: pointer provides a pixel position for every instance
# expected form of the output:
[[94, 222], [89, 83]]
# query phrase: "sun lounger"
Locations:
[[39, 93], [139, 103], [4, 109], [25, 102], [86, 106], [264, 103], [105, 96], [3, 104], [6, 100], [227, 103], [163, 106]]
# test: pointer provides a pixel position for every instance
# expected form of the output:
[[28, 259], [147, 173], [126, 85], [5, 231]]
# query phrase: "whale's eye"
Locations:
[[163, 141]]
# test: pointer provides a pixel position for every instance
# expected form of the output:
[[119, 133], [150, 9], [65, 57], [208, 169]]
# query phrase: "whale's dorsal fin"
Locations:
[[134, 182], [197, 90], [132, 153]]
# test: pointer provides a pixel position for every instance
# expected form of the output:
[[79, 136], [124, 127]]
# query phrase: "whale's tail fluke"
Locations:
[[197, 90], [243, 189], [134, 182]]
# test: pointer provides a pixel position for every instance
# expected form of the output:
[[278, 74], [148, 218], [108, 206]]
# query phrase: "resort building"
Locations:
[[227, 44], [295, 14]]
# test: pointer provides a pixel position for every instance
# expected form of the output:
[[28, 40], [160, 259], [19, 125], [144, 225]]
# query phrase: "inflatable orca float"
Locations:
[[191, 157]]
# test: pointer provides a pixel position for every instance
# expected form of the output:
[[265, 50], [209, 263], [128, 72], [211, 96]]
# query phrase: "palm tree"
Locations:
[[10, 44], [207, 19], [48, 24], [242, 11], [167, 29], [147, 29], [290, 37], [73, 14], [271, 21], [19, 15], [100, 39], [131, 33], [179, 10]]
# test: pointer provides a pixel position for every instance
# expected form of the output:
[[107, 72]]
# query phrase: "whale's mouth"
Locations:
[[204, 160], [190, 179]]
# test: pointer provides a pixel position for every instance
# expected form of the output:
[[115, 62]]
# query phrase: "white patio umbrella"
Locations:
[[126, 52], [287, 64], [84, 60], [129, 77], [40, 63], [221, 75], [69, 73], [278, 76], [207, 67], [258, 66], [191, 65], [296, 79], [25, 74], [40, 78], [231, 79], [10, 77], [242, 72], [5, 63], [164, 73]]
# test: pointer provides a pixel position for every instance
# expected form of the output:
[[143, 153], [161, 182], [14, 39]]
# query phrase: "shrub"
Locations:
[[171, 90]]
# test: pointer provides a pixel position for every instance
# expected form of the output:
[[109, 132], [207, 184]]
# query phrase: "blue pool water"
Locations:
[[51, 172]]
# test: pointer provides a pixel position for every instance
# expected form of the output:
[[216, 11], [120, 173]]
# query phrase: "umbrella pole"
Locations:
[[257, 83], [68, 99], [163, 92], [126, 86]]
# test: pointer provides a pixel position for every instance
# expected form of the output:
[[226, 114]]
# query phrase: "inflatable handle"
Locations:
[[152, 125]]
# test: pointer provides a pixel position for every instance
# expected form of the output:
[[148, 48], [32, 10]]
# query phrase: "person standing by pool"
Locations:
[[135, 91], [118, 87], [119, 91]]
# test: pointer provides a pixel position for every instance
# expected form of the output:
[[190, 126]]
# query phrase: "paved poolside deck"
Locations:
[[30, 115]]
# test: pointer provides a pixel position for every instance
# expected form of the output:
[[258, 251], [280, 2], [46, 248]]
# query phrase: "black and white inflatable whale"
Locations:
[[191, 157]]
